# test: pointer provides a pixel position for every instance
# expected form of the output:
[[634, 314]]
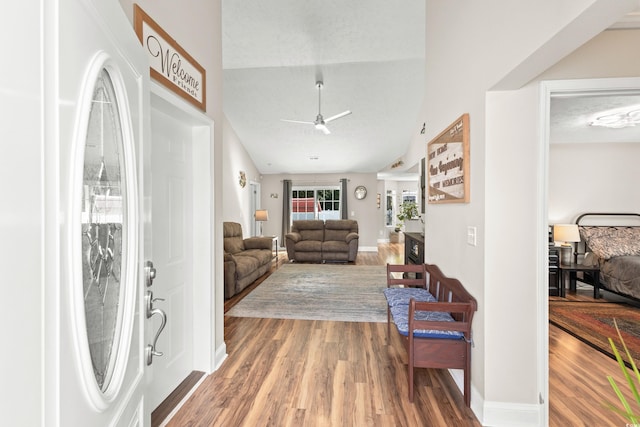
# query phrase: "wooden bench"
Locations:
[[433, 313]]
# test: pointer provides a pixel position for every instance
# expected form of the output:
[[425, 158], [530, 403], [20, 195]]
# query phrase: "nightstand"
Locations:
[[572, 269], [554, 271]]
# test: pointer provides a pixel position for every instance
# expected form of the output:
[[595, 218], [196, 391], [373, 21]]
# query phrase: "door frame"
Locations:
[[203, 218], [548, 89]]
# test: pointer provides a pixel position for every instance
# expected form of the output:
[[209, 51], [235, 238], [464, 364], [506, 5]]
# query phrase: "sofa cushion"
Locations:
[[232, 233], [342, 224], [245, 264], [334, 246], [263, 256], [258, 243], [336, 235], [233, 245], [309, 246], [309, 229], [400, 315]]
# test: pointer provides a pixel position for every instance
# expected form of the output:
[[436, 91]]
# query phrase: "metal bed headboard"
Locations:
[[625, 220], [633, 217]]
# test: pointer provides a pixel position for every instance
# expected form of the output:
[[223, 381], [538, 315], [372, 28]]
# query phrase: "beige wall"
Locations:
[[592, 178], [489, 46]]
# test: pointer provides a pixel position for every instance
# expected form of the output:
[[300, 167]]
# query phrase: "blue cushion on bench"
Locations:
[[401, 296], [400, 315]]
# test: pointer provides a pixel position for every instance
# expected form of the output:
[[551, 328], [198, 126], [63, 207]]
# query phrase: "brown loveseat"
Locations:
[[244, 259], [320, 241]]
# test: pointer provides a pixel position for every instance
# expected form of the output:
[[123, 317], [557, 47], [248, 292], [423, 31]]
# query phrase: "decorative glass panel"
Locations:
[[103, 215]]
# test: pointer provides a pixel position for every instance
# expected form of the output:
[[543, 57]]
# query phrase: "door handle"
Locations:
[[151, 348]]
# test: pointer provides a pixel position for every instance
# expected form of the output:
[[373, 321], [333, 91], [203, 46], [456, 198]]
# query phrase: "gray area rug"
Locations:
[[348, 293]]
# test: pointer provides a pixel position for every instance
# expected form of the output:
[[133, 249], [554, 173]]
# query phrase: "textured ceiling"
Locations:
[[571, 115], [370, 56]]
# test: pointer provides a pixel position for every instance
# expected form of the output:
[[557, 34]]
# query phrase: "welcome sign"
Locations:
[[170, 64]]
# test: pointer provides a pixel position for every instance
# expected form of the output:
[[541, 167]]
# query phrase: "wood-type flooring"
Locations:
[[320, 373]]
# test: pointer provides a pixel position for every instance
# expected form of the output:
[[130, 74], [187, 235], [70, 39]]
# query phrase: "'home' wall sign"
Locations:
[[170, 64]]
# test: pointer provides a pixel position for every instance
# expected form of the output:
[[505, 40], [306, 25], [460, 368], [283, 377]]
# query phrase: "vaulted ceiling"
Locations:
[[370, 56]]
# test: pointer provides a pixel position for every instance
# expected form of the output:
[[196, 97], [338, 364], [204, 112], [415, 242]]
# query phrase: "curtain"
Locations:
[[343, 199], [286, 209]]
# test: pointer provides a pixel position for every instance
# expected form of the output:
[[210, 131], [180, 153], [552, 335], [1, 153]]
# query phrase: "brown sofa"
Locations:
[[244, 259], [322, 241]]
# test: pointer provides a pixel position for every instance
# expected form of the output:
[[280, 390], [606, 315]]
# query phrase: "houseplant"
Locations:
[[626, 411], [407, 210]]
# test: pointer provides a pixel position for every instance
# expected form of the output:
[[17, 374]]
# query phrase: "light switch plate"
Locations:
[[472, 236]]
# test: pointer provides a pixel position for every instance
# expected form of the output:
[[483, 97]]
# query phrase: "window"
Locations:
[[315, 203], [390, 207], [409, 196]]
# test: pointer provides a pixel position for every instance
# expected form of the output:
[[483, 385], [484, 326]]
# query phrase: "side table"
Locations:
[[275, 244], [572, 269]]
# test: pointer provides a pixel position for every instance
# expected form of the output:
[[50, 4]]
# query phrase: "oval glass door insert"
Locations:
[[103, 229]]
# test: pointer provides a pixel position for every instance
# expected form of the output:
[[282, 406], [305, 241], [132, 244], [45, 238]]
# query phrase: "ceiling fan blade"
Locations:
[[337, 116], [297, 121], [323, 128]]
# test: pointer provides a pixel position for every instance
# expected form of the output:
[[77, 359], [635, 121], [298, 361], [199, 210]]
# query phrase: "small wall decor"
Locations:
[[378, 200], [242, 179], [448, 164], [397, 164]]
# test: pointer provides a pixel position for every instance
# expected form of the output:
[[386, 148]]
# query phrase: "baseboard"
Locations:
[[506, 414], [500, 414], [220, 356], [368, 248]]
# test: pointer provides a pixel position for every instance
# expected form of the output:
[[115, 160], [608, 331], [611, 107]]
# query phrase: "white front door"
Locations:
[[102, 125], [173, 230]]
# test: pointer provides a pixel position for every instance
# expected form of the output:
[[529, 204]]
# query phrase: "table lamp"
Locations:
[[566, 235], [261, 216]]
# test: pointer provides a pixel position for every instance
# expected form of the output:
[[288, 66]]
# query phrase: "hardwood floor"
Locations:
[[319, 373]]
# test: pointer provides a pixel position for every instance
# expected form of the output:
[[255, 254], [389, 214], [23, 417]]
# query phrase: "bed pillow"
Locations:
[[620, 242]]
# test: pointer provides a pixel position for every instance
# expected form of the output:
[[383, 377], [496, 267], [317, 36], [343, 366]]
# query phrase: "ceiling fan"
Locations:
[[321, 123]]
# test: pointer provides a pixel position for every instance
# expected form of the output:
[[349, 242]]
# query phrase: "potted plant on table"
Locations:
[[407, 211]]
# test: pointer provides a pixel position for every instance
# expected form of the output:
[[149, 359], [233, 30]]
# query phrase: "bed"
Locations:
[[612, 242]]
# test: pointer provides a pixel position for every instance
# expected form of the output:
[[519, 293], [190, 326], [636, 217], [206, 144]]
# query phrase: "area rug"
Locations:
[[592, 323], [349, 293]]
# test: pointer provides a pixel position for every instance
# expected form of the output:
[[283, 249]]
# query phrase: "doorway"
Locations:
[[550, 90], [181, 198]]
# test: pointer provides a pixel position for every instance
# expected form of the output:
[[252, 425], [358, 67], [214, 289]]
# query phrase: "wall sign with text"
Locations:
[[170, 64], [448, 164]]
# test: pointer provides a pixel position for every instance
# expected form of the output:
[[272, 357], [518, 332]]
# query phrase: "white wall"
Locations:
[[236, 201], [22, 220], [592, 178]]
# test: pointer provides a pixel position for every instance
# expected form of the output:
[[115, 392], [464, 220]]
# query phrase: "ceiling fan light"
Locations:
[[618, 120]]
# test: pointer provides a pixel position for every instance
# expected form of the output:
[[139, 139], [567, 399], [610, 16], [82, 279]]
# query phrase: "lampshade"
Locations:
[[566, 233], [262, 215]]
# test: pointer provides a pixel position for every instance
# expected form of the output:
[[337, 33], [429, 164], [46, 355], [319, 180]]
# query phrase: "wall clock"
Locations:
[[360, 192]]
